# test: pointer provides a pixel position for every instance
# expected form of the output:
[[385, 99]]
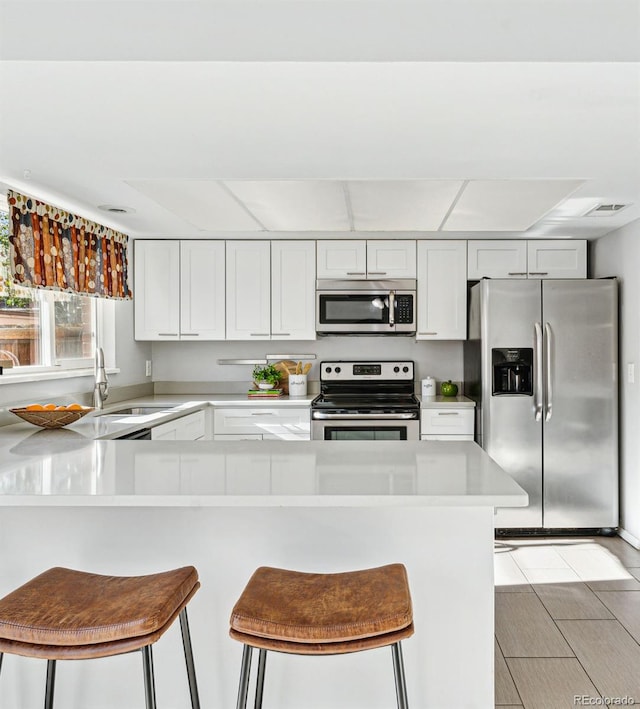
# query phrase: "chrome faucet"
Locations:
[[101, 386]]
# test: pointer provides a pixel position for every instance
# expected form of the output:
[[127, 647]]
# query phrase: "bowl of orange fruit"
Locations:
[[52, 415]]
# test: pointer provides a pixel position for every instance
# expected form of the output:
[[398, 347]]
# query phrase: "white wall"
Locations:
[[130, 359], [618, 254], [197, 361]]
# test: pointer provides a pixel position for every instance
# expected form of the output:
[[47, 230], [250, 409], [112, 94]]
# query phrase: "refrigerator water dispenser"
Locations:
[[512, 371]]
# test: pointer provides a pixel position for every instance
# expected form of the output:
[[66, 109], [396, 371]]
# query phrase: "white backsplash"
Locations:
[[197, 361]]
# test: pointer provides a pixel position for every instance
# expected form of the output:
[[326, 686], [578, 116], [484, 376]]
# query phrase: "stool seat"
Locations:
[[288, 610], [67, 614]]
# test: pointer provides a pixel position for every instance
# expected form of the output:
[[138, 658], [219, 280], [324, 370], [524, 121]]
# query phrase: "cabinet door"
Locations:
[[165, 431], [248, 290], [557, 259], [442, 290], [156, 290], [497, 259], [293, 290], [391, 259], [342, 259], [202, 290], [190, 427]]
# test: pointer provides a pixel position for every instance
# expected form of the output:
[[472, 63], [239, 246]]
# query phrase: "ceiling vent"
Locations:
[[605, 210]]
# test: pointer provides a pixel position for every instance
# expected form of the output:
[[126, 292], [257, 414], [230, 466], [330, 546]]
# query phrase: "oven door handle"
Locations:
[[324, 416]]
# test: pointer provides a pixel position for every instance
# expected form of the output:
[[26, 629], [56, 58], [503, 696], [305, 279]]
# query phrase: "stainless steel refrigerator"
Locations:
[[541, 363]]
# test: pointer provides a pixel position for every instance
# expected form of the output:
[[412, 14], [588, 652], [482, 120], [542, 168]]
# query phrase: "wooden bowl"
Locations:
[[51, 419]]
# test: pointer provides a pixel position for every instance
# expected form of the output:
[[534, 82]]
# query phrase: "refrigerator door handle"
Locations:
[[548, 375], [537, 372]]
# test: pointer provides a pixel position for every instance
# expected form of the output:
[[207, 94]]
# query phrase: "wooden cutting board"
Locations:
[[285, 367]]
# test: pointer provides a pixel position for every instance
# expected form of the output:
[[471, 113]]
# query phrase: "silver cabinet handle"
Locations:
[[190, 334], [517, 273], [538, 273], [259, 334], [167, 334], [549, 373], [448, 413], [282, 334], [377, 273], [262, 413], [537, 372], [427, 333], [356, 273]]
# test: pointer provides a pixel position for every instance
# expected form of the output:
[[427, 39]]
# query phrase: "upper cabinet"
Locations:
[[547, 258], [293, 295], [156, 290], [442, 290], [358, 259], [559, 258], [248, 290], [271, 290], [202, 290], [179, 290]]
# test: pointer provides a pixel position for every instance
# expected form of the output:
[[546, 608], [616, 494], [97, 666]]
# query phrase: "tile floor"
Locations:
[[567, 622]]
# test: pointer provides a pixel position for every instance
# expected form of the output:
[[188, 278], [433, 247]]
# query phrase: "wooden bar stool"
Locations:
[[72, 615], [322, 614]]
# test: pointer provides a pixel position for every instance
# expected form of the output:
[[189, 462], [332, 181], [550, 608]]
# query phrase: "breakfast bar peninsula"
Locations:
[[136, 507]]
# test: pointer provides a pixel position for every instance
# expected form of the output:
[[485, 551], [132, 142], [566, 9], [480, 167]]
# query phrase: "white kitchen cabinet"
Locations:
[[391, 259], [442, 290], [283, 423], [156, 290], [557, 258], [497, 259], [186, 428], [342, 258], [179, 290], [293, 276], [447, 424], [375, 259], [544, 258], [202, 290], [248, 290]]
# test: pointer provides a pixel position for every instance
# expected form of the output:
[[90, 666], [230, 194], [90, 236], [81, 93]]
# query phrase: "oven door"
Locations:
[[364, 429]]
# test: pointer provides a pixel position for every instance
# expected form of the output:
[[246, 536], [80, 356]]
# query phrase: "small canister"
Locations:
[[297, 385], [428, 386]]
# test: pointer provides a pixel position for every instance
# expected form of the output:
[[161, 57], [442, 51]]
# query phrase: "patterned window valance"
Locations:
[[53, 249]]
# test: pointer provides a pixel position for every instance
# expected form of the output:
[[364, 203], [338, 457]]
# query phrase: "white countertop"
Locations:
[[79, 472], [98, 426]]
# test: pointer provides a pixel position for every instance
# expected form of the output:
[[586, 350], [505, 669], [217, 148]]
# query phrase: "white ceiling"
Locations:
[[478, 118]]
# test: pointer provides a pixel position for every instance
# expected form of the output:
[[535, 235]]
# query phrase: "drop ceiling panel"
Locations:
[[205, 204], [401, 205], [294, 205], [506, 205]]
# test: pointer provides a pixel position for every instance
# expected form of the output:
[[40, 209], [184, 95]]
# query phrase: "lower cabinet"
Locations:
[[262, 423], [447, 424], [186, 428]]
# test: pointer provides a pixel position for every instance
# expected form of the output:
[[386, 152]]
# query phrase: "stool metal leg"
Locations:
[[262, 661], [1, 654], [398, 671], [188, 656], [149, 681], [245, 671], [51, 682]]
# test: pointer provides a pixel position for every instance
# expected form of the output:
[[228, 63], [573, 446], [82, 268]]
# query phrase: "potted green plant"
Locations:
[[267, 377]]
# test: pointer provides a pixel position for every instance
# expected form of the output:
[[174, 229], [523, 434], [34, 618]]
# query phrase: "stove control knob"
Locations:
[[396, 369], [328, 370], [405, 369], [338, 370]]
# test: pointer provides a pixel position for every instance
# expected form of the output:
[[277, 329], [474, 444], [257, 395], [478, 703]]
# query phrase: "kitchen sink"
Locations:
[[136, 411]]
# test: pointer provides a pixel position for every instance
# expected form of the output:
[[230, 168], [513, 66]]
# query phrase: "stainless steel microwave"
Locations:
[[366, 307]]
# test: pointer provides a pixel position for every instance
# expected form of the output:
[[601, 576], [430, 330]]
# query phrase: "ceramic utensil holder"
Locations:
[[297, 385]]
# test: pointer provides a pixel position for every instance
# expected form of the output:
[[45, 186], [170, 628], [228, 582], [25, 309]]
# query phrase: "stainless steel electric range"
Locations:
[[371, 401]]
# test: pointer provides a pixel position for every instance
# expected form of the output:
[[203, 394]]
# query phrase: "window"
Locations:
[[40, 328]]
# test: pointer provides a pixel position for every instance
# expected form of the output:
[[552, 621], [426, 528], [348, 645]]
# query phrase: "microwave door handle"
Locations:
[[392, 308]]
